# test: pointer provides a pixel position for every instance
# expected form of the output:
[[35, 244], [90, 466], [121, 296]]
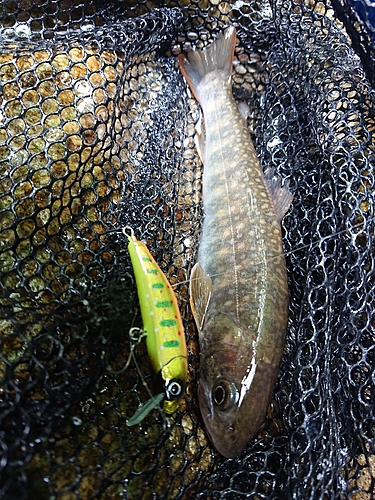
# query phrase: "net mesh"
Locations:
[[97, 132]]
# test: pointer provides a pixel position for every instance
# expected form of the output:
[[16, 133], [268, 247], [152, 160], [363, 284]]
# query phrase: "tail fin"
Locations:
[[216, 57]]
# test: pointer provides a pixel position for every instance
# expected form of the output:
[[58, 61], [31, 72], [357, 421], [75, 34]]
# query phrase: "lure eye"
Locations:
[[224, 394], [174, 389]]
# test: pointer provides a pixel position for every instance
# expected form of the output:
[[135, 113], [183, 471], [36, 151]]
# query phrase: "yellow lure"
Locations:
[[162, 325]]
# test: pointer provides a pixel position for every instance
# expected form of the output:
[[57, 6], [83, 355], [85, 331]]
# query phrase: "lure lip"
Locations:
[[144, 410]]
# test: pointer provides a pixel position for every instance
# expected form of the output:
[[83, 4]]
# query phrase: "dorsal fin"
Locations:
[[280, 195]]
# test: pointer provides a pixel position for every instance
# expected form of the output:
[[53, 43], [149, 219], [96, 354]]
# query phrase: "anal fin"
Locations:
[[244, 109], [200, 138]]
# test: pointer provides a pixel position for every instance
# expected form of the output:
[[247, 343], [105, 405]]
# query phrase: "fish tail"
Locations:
[[218, 57]]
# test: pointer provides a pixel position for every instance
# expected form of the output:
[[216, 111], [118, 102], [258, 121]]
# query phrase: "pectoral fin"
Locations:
[[200, 293]]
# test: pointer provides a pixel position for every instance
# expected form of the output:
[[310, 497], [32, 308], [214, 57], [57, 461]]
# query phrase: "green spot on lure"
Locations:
[[162, 327]]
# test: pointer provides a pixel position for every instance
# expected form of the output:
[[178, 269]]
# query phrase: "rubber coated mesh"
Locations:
[[97, 132]]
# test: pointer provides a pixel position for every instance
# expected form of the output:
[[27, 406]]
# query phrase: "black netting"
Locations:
[[97, 132]]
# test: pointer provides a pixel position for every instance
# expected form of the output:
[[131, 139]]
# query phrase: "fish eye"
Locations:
[[224, 394], [173, 389]]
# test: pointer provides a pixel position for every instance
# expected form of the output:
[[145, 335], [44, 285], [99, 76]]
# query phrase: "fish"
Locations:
[[162, 327], [238, 286]]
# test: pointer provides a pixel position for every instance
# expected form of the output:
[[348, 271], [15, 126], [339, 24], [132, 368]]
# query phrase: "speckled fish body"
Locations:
[[238, 287]]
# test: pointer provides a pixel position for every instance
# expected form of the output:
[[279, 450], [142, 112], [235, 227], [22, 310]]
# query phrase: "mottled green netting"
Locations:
[[96, 133]]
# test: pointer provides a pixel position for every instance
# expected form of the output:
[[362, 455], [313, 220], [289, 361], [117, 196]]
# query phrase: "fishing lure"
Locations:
[[162, 327]]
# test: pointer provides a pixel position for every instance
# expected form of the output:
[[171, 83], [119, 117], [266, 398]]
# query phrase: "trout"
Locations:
[[238, 287]]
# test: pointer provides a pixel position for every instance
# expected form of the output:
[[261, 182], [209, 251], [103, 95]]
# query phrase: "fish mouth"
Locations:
[[226, 441], [223, 431]]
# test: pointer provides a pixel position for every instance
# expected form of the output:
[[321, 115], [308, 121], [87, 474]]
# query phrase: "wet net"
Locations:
[[97, 132]]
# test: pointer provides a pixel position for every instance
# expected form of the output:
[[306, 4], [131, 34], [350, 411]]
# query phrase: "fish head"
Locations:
[[234, 390]]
